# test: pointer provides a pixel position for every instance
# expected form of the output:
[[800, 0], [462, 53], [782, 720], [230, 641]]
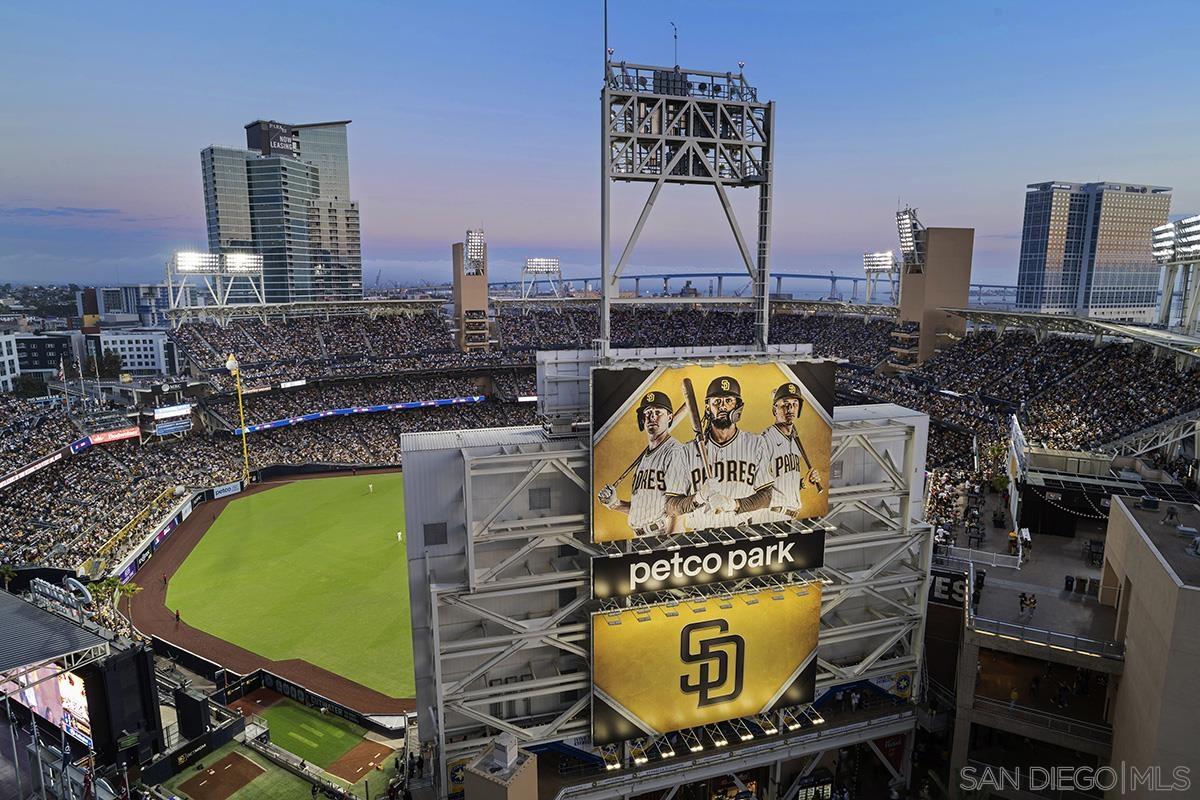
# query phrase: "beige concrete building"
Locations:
[[942, 281], [1151, 575], [471, 291]]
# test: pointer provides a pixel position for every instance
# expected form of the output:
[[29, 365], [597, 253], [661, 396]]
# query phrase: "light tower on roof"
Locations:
[[879, 266], [541, 270]]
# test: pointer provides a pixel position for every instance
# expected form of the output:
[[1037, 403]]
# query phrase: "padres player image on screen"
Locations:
[[790, 464], [648, 494], [724, 475]]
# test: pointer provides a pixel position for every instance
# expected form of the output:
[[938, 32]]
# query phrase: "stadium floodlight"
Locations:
[[611, 761], [476, 246], [638, 751], [692, 740], [742, 730], [767, 724], [243, 263], [542, 266], [196, 263], [879, 262], [717, 735]]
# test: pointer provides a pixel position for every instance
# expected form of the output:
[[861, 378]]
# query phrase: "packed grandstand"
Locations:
[[1068, 392]]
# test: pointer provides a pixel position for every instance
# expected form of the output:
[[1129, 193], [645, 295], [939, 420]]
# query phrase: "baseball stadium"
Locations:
[[476, 541]]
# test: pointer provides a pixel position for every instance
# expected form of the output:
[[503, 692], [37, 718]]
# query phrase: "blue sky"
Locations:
[[469, 113]]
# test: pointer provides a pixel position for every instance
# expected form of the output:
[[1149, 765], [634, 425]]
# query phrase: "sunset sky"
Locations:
[[487, 113]]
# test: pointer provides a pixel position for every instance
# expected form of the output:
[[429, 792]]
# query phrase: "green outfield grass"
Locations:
[[309, 570], [319, 739]]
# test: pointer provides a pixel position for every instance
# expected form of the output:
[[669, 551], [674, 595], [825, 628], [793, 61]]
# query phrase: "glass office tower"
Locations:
[[286, 196], [1086, 249]]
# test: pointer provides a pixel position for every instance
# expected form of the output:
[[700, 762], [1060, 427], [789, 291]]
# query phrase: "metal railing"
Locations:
[[1071, 727], [1039, 636]]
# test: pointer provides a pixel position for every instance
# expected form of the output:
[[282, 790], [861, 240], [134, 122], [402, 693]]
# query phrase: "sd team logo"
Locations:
[[660, 669]]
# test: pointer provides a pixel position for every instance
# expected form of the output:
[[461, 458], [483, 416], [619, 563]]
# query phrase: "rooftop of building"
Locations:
[[1062, 571], [1119, 186], [1170, 540], [300, 125]]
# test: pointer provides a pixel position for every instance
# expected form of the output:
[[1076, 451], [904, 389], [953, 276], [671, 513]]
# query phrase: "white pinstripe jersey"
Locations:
[[741, 466], [648, 500], [787, 465]]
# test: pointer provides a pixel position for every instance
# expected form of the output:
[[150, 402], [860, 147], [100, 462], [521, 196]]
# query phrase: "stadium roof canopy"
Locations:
[[32, 637], [1176, 344]]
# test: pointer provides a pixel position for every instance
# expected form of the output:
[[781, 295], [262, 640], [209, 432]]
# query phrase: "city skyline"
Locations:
[[487, 116]]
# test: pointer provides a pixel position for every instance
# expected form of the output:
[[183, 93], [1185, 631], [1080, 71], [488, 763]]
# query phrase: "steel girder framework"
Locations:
[[661, 125], [522, 611], [513, 566], [1168, 434]]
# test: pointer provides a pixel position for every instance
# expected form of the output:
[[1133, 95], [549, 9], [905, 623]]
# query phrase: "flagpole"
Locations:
[[62, 376], [97, 365]]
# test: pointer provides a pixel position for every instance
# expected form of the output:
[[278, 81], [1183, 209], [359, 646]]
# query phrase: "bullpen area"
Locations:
[[305, 578]]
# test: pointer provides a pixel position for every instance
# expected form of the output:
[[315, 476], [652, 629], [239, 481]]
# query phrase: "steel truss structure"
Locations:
[[1167, 435], [508, 614], [663, 125]]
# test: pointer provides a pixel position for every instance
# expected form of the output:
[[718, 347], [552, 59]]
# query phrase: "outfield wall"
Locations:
[[231, 686]]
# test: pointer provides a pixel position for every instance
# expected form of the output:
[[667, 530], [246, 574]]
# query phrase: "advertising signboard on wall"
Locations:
[[694, 447], [663, 668]]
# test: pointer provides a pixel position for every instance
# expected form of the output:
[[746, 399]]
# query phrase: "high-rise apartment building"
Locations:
[[287, 197], [1086, 249]]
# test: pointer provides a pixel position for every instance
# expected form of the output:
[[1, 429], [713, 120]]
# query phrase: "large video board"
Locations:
[[709, 446], [59, 699], [662, 668]]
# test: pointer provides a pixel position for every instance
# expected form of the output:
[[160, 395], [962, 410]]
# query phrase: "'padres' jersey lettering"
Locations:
[[649, 499], [787, 467], [741, 466]]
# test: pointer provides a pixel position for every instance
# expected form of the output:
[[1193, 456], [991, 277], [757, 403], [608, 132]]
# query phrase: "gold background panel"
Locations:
[[638, 664], [623, 442]]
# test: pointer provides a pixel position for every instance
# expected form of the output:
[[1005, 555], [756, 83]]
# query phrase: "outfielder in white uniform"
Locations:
[[787, 463], [647, 504], [740, 481]]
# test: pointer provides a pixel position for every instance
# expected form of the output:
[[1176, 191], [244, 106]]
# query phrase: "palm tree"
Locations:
[[7, 573], [128, 590]]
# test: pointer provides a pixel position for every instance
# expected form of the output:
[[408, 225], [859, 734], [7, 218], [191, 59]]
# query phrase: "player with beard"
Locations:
[[787, 456], [740, 481], [647, 504]]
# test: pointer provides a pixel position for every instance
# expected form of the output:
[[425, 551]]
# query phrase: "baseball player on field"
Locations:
[[740, 477], [647, 504], [787, 462]]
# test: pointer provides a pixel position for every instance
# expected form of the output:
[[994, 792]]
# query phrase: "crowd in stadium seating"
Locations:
[[329, 394], [982, 362], [575, 325], [1067, 393], [31, 430], [65, 513], [1118, 392]]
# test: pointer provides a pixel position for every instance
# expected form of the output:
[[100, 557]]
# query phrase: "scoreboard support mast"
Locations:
[[664, 125]]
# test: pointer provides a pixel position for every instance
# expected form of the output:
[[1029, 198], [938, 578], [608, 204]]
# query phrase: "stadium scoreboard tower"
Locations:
[[471, 291], [664, 125], [674, 595]]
